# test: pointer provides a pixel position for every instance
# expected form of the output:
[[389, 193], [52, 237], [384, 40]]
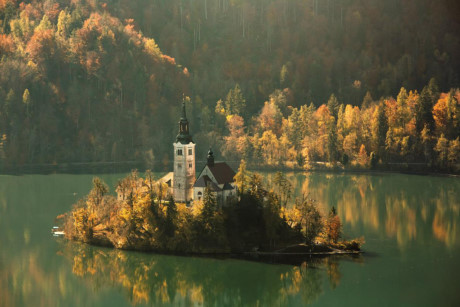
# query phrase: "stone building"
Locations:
[[219, 177]]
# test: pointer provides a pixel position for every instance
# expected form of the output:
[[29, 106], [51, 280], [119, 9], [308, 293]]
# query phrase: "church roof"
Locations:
[[205, 181], [227, 186], [222, 172]]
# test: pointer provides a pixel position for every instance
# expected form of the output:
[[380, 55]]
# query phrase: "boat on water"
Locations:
[[57, 232]]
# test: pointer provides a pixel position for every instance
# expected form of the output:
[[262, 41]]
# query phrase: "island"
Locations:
[[261, 220]]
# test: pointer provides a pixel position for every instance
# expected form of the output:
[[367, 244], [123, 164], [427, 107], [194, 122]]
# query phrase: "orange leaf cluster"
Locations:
[[168, 59], [6, 44]]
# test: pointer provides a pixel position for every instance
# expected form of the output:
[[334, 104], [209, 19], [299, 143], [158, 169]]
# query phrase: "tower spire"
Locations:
[[184, 115], [184, 135]]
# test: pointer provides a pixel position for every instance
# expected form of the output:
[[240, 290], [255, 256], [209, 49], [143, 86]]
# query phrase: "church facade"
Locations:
[[218, 176]]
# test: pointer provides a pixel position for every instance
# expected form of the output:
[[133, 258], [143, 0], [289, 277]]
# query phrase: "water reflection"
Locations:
[[410, 213], [405, 208], [24, 280], [159, 279]]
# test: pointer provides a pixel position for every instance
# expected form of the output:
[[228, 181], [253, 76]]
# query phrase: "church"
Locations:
[[218, 176]]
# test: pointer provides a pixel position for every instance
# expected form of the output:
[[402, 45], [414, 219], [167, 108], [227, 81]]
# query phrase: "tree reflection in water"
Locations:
[[404, 207], [159, 279], [419, 212]]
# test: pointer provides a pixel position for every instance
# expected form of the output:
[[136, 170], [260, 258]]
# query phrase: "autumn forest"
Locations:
[[279, 83]]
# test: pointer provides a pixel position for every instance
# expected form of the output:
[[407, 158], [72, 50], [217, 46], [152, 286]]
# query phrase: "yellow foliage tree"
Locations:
[[363, 159]]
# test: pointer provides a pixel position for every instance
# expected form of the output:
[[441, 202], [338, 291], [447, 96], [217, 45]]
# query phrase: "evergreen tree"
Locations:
[[367, 100], [333, 106], [256, 187], [401, 102], [209, 204], [382, 129], [310, 220], [453, 155], [210, 225], [345, 159], [424, 111], [171, 214], [373, 160], [100, 189], [295, 128], [332, 151], [283, 75], [433, 90], [235, 104]]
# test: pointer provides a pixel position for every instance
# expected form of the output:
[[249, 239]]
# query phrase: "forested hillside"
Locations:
[[85, 80], [313, 47], [78, 84]]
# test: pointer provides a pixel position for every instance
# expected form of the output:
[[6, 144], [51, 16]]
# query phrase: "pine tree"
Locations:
[[100, 189], [295, 129], [333, 106], [332, 152], [209, 204], [401, 102], [382, 129], [453, 155], [367, 101], [424, 112], [373, 160], [171, 214], [235, 102]]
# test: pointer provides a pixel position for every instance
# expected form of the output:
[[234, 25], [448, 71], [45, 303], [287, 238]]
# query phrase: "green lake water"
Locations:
[[411, 225]]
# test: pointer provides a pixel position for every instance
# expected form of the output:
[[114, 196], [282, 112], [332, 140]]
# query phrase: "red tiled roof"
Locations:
[[222, 172]]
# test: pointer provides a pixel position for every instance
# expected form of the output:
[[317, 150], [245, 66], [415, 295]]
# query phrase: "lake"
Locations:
[[411, 225]]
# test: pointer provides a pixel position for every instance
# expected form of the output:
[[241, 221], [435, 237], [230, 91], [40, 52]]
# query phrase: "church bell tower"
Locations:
[[184, 162]]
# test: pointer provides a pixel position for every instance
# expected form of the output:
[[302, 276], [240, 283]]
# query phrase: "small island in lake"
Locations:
[[219, 212]]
